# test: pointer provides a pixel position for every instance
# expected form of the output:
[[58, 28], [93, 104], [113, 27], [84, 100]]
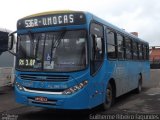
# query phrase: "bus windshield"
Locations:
[[61, 51]]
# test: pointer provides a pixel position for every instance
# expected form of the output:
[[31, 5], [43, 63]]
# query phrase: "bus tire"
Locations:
[[139, 87], [109, 97]]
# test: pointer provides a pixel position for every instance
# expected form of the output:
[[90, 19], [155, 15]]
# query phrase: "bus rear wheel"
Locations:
[[109, 97]]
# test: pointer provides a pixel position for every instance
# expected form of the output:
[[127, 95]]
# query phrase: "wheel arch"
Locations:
[[113, 84], [140, 77]]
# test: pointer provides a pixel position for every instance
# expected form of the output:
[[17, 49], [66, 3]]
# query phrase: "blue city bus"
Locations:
[[75, 60]]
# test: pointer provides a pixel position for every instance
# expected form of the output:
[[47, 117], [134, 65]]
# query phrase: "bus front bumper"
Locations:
[[77, 100]]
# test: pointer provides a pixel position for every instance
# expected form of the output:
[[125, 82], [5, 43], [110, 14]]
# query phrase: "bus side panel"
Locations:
[[97, 85], [134, 70], [99, 82], [117, 71], [146, 74], [121, 78], [126, 75]]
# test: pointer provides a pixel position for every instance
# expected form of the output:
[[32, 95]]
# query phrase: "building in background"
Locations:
[[155, 57]]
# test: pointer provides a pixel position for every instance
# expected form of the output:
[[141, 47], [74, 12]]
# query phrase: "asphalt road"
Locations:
[[147, 102]]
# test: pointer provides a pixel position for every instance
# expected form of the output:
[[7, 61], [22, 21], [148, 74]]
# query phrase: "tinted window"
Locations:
[[98, 49], [144, 52], [3, 41], [140, 51], [121, 49], [128, 48], [135, 50], [111, 47], [110, 37], [147, 53], [96, 29]]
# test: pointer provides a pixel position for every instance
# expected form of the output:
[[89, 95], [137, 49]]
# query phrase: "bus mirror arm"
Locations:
[[12, 53]]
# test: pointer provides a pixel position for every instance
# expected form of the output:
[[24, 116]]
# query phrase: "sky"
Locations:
[[140, 16]]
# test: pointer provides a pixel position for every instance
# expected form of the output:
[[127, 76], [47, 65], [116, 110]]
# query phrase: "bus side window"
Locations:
[[98, 48], [135, 50], [144, 52], [121, 48], [128, 48], [140, 51], [111, 44], [147, 53]]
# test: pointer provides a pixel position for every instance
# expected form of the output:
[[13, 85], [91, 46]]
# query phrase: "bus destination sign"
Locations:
[[52, 20]]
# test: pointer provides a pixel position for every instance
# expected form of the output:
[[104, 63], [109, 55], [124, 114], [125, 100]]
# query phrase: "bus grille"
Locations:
[[49, 78]]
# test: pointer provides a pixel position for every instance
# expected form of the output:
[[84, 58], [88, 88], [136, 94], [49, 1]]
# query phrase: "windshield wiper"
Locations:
[[52, 50], [37, 46], [31, 38], [59, 39], [54, 45]]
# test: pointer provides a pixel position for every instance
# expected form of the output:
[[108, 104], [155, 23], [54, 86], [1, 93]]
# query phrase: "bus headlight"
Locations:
[[19, 86], [75, 88]]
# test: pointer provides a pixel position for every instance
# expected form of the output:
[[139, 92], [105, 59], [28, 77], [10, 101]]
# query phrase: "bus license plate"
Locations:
[[41, 99]]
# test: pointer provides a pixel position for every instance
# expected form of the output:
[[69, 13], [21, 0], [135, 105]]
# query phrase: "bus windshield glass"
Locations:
[[61, 51]]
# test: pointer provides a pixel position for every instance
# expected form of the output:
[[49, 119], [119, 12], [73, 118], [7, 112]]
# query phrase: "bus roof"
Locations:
[[93, 17], [51, 12]]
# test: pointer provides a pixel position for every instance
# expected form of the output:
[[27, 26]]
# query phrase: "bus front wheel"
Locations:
[[109, 97]]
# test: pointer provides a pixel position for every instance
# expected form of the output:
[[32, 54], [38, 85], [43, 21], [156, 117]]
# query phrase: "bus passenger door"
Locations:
[[96, 64]]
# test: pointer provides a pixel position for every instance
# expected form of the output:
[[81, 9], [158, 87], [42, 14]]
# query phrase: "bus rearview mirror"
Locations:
[[11, 39], [10, 42]]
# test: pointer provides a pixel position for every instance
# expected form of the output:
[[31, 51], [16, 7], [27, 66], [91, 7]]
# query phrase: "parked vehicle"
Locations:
[[6, 60]]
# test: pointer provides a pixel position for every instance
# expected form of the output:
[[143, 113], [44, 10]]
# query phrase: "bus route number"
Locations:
[[31, 23]]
